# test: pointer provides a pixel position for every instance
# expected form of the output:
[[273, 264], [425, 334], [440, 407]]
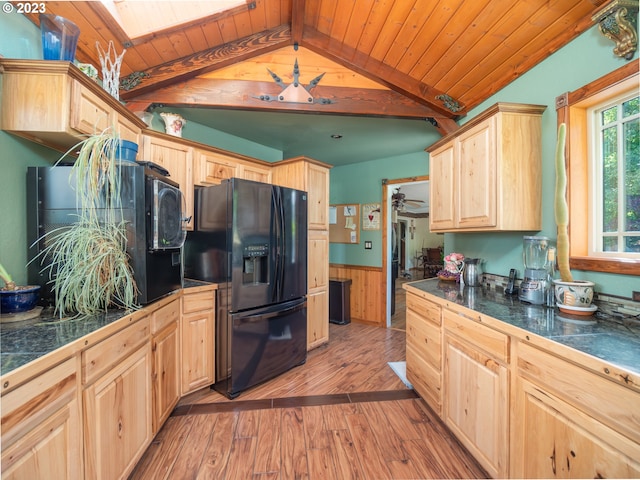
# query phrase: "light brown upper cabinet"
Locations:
[[487, 176], [55, 104]]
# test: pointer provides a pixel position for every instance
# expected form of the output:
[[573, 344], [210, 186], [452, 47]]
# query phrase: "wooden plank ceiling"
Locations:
[[432, 59]]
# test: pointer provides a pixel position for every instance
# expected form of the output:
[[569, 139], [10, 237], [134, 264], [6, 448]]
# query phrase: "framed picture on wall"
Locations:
[[371, 216]]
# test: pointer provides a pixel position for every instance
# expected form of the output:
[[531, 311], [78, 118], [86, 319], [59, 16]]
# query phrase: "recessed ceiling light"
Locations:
[[336, 136]]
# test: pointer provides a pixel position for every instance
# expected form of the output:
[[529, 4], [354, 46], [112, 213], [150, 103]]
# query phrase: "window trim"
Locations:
[[571, 109]]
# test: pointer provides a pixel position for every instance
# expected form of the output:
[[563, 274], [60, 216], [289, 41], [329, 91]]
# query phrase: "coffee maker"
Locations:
[[534, 285]]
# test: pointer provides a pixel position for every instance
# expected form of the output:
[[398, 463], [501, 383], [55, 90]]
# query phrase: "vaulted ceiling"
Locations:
[[396, 66]]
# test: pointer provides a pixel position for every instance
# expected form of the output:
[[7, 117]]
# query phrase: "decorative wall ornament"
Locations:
[[449, 102], [618, 21], [132, 80], [295, 92], [110, 62]]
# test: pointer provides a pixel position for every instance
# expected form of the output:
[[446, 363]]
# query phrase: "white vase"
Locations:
[[173, 123]]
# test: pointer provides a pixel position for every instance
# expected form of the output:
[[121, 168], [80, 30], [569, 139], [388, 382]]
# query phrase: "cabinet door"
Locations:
[[317, 260], [198, 342], [442, 188], [117, 413], [557, 440], [317, 319], [46, 452], [476, 187], [128, 131], [87, 113], [476, 404], [211, 168], [257, 173], [177, 159], [166, 381], [41, 432], [318, 202]]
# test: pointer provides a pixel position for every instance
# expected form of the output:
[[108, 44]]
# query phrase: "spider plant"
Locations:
[[87, 261]]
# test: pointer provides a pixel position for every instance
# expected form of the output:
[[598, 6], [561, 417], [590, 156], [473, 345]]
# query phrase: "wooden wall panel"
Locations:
[[368, 295]]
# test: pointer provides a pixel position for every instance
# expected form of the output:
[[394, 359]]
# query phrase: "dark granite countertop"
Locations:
[[615, 342], [25, 341]]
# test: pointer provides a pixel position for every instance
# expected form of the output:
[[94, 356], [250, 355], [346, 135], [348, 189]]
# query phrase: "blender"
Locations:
[[534, 285]]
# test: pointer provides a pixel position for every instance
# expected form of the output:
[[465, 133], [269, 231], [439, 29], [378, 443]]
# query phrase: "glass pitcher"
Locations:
[[534, 252]]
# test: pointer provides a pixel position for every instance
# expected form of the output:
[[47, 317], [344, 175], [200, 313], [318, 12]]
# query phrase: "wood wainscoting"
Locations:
[[368, 297]]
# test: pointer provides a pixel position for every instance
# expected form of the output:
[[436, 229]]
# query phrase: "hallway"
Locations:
[[399, 318]]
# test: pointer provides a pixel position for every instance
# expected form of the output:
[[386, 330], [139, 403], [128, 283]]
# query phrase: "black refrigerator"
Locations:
[[251, 239]]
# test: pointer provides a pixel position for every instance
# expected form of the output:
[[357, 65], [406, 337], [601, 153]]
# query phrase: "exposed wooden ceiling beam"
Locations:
[[243, 95], [378, 71], [297, 20], [202, 62]]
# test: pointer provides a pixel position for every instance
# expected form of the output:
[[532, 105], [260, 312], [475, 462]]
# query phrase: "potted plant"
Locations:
[[16, 298], [568, 292], [88, 262]]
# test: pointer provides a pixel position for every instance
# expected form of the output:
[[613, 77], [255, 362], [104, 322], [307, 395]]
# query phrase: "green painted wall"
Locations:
[[20, 38], [203, 134], [585, 59], [15, 154], [362, 183]]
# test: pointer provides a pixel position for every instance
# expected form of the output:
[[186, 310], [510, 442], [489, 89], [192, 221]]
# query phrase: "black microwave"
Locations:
[[152, 206]]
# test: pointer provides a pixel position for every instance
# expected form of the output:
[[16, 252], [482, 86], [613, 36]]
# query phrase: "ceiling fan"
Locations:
[[399, 200]]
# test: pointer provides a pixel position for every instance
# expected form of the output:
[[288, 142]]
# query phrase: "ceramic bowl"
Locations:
[[578, 293], [17, 301]]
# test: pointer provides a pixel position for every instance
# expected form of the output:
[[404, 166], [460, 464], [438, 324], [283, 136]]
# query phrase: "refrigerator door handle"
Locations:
[[278, 219], [273, 311]]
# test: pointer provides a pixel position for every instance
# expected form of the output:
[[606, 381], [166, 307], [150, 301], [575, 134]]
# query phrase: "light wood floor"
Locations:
[[343, 414]]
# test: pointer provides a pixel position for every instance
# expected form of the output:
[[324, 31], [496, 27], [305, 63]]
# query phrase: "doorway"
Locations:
[[399, 260]]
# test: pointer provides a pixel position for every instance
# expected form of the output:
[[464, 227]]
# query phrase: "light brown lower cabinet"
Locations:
[[117, 412], [424, 349], [524, 406], [198, 343], [165, 348], [317, 315], [41, 433], [476, 386], [557, 433]]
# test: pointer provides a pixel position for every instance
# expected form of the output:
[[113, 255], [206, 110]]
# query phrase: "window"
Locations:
[[605, 241], [614, 161]]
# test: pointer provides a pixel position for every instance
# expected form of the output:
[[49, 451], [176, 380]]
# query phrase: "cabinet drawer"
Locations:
[[425, 338], [424, 308], [29, 404], [196, 302], [491, 341], [164, 316], [111, 351], [426, 380], [612, 404]]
